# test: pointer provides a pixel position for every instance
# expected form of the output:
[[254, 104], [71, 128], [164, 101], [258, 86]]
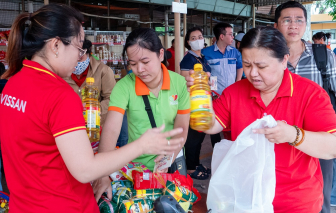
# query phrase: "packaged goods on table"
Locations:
[[150, 181], [180, 193], [106, 206], [152, 194], [121, 195], [115, 176], [137, 205], [121, 184], [133, 166]]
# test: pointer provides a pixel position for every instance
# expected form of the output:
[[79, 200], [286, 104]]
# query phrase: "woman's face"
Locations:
[[195, 36], [68, 56], [263, 70], [144, 63]]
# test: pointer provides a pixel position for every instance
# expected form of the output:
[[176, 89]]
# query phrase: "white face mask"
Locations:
[[197, 45]]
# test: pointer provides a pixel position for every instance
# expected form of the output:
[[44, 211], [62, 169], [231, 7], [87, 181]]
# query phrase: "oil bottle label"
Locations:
[[200, 100], [92, 117]]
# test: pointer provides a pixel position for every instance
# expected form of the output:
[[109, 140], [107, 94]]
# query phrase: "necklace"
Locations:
[[298, 58]]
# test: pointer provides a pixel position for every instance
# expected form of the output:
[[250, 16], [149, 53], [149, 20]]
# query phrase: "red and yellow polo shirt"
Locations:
[[300, 102], [36, 107]]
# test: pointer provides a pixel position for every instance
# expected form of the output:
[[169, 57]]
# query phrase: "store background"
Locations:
[[109, 35]]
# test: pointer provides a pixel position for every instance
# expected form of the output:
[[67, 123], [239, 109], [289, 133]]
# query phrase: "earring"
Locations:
[[56, 55]]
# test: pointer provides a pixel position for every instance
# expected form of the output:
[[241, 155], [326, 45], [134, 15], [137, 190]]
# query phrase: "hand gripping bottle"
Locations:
[[200, 100], [91, 110]]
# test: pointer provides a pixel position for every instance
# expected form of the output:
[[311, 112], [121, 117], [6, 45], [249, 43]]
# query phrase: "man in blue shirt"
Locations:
[[225, 61]]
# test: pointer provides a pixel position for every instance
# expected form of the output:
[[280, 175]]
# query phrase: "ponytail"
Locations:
[[30, 31], [14, 48]]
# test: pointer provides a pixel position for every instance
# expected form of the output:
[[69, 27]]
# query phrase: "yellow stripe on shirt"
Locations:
[[69, 130], [332, 130], [220, 121], [42, 70]]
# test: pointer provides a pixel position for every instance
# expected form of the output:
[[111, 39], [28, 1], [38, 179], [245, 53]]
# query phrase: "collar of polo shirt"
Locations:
[[142, 89]]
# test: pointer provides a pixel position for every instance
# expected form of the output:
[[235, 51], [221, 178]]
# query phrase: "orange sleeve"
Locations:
[[117, 109], [185, 111]]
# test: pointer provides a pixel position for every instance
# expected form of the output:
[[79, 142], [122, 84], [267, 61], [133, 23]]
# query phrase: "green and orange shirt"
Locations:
[[36, 107], [173, 99]]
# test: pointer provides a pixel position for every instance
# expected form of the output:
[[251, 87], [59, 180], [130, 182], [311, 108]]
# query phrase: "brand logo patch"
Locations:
[[173, 100]]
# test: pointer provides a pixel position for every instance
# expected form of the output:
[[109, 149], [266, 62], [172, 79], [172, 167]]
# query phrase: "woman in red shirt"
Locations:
[[306, 120], [47, 155]]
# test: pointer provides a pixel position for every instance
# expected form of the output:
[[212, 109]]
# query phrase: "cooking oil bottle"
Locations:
[[200, 100], [91, 110]]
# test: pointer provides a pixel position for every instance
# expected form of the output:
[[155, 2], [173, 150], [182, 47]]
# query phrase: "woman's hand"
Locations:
[[282, 133], [190, 80], [100, 186], [154, 141]]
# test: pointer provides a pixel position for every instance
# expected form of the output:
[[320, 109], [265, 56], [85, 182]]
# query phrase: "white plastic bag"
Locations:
[[218, 154], [244, 181]]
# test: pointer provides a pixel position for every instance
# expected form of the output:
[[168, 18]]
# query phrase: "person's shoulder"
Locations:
[[208, 50], [176, 76], [305, 84], [238, 87]]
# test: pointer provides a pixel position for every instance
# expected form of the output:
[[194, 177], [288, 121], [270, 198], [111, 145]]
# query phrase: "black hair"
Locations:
[[187, 37], [173, 41], [320, 35], [268, 38], [289, 4], [144, 37], [30, 31], [2, 69], [240, 32], [87, 44], [220, 29]]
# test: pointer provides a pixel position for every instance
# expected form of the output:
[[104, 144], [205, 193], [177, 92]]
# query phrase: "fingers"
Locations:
[[159, 129], [109, 192], [158, 158], [172, 133], [104, 185]]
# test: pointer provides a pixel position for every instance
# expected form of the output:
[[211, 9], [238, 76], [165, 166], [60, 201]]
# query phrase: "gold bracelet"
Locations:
[[297, 136]]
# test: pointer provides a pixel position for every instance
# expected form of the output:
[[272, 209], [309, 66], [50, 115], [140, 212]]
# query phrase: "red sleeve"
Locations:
[[65, 113], [222, 110], [320, 115]]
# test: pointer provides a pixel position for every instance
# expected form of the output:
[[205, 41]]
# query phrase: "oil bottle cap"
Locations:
[[198, 67], [89, 80]]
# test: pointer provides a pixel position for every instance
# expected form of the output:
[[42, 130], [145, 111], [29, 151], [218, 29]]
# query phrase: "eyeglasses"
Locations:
[[81, 51], [287, 22]]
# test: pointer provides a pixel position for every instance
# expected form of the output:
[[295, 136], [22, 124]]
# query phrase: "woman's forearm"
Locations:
[[319, 144]]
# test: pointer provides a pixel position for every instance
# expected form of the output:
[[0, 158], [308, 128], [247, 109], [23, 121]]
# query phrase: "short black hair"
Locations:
[[187, 37], [289, 4], [87, 44], [320, 35], [145, 38], [220, 29], [173, 41], [268, 38]]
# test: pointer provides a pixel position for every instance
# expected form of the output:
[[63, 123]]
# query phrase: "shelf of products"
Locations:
[[4, 33], [108, 47]]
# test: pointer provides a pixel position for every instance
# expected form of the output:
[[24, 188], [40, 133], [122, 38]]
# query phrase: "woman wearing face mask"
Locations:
[[45, 147], [194, 42], [102, 74]]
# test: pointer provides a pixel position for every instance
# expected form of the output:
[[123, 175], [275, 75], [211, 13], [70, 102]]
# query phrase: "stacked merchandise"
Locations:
[[3, 45], [135, 188]]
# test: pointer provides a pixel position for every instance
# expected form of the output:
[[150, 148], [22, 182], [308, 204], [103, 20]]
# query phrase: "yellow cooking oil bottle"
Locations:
[[91, 110], [200, 100]]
